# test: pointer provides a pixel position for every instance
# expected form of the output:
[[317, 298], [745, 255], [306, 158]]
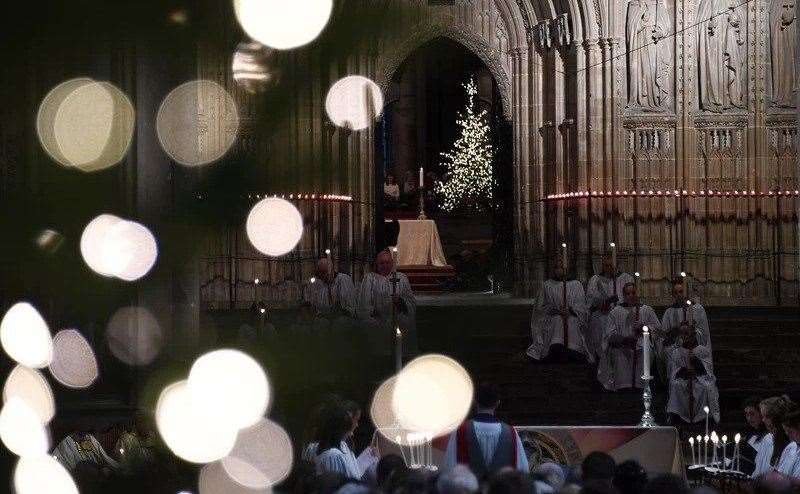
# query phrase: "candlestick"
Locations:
[[564, 260], [646, 352], [614, 255], [636, 277], [421, 177], [691, 445], [699, 441], [685, 278], [714, 443], [705, 449], [737, 438], [707, 410], [689, 314], [724, 447], [398, 349]]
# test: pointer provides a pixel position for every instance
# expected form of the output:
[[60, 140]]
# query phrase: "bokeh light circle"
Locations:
[[197, 123], [74, 364], [189, 429], [432, 395], [354, 102], [92, 240], [274, 226], [231, 385], [21, 429], [261, 457], [31, 387], [134, 336], [253, 68], [25, 336], [111, 246], [283, 25], [213, 479], [42, 474], [45, 118]]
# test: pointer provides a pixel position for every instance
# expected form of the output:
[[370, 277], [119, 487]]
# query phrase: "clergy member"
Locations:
[[560, 316], [485, 443], [603, 293], [621, 364], [385, 296], [332, 294], [692, 385], [683, 310]]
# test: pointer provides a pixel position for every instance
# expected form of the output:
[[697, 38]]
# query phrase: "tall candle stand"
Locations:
[[422, 205], [647, 418]]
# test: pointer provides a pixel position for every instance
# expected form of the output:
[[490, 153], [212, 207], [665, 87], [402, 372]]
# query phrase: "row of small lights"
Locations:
[[672, 193], [322, 197]]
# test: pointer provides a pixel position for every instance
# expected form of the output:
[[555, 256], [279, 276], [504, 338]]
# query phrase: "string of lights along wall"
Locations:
[[625, 194]]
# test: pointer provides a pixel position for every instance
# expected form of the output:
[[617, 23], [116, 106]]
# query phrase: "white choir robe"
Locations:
[[763, 456], [788, 458], [599, 289], [341, 460], [70, 453], [374, 310], [547, 325], [616, 369], [327, 301], [672, 319], [488, 436], [794, 471], [705, 392]]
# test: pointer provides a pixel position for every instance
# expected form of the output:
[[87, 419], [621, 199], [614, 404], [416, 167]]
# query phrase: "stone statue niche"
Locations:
[[649, 38], [783, 48], [721, 55]]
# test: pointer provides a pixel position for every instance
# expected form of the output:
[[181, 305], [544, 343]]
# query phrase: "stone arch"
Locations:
[[490, 56]]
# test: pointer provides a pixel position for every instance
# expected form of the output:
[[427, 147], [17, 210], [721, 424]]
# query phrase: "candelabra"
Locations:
[[422, 205], [647, 418]]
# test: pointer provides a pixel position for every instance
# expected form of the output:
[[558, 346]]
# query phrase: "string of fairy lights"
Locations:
[[615, 194]]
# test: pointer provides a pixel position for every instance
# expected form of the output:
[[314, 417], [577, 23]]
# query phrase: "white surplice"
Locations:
[[374, 310], [621, 368], [672, 319], [788, 458], [337, 460], [599, 289], [548, 327], [71, 452], [332, 300], [704, 388], [764, 456]]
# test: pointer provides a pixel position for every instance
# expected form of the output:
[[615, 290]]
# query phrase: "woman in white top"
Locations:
[[776, 450], [332, 453], [787, 477]]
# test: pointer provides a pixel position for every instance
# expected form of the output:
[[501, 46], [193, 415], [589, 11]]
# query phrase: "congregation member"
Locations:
[[332, 294], [485, 443], [560, 316], [83, 448], [385, 298], [603, 293], [331, 451], [391, 191], [598, 468], [621, 365], [683, 310], [755, 437], [692, 383], [777, 450]]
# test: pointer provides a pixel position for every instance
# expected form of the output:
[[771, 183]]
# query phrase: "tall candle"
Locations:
[[705, 449], [724, 447], [399, 349], [646, 352], [421, 177], [737, 438], [565, 260], [636, 277], [714, 443], [699, 441], [614, 255], [684, 278], [707, 410], [691, 445], [689, 314]]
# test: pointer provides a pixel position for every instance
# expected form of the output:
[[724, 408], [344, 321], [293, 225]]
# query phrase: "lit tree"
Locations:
[[467, 183]]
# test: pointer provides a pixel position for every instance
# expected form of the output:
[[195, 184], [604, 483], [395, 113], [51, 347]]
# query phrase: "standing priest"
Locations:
[[385, 297], [683, 310], [332, 294], [692, 385], [560, 316], [603, 293], [621, 364]]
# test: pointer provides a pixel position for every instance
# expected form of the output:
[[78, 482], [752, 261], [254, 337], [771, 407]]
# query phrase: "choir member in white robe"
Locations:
[[560, 316], [678, 313], [778, 450], [692, 384], [382, 293], [603, 293], [621, 364], [332, 294], [791, 425], [331, 452], [755, 437], [79, 447]]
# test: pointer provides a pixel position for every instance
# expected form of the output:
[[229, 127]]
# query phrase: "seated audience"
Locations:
[[389, 467], [755, 437], [597, 487], [778, 450], [509, 481], [666, 484], [630, 477], [551, 474], [598, 467], [457, 480], [332, 453]]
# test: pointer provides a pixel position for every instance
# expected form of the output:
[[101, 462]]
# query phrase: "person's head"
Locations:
[[608, 265], [791, 425], [599, 487], [388, 467], [390, 180], [773, 411], [324, 270], [384, 263], [353, 409], [598, 466], [630, 477], [667, 484], [334, 426], [752, 413], [487, 398], [552, 473], [629, 293], [677, 290], [509, 481], [457, 480]]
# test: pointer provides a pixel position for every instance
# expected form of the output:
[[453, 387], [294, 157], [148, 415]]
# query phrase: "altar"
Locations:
[[418, 244]]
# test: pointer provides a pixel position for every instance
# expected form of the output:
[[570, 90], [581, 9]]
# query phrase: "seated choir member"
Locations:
[[692, 385], [777, 450], [485, 443], [385, 294], [331, 453], [678, 313], [83, 447], [621, 365], [332, 294], [755, 438], [560, 316], [603, 293], [787, 477]]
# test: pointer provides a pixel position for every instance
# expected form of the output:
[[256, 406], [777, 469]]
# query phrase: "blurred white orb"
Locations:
[[45, 118], [134, 336], [432, 395], [214, 479], [22, 430], [252, 68], [93, 126], [189, 429], [231, 385], [42, 474], [31, 387], [74, 364], [274, 226], [25, 336], [111, 246], [49, 240], [283, 25], [262, 456], [197, 123], [354, 102]]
